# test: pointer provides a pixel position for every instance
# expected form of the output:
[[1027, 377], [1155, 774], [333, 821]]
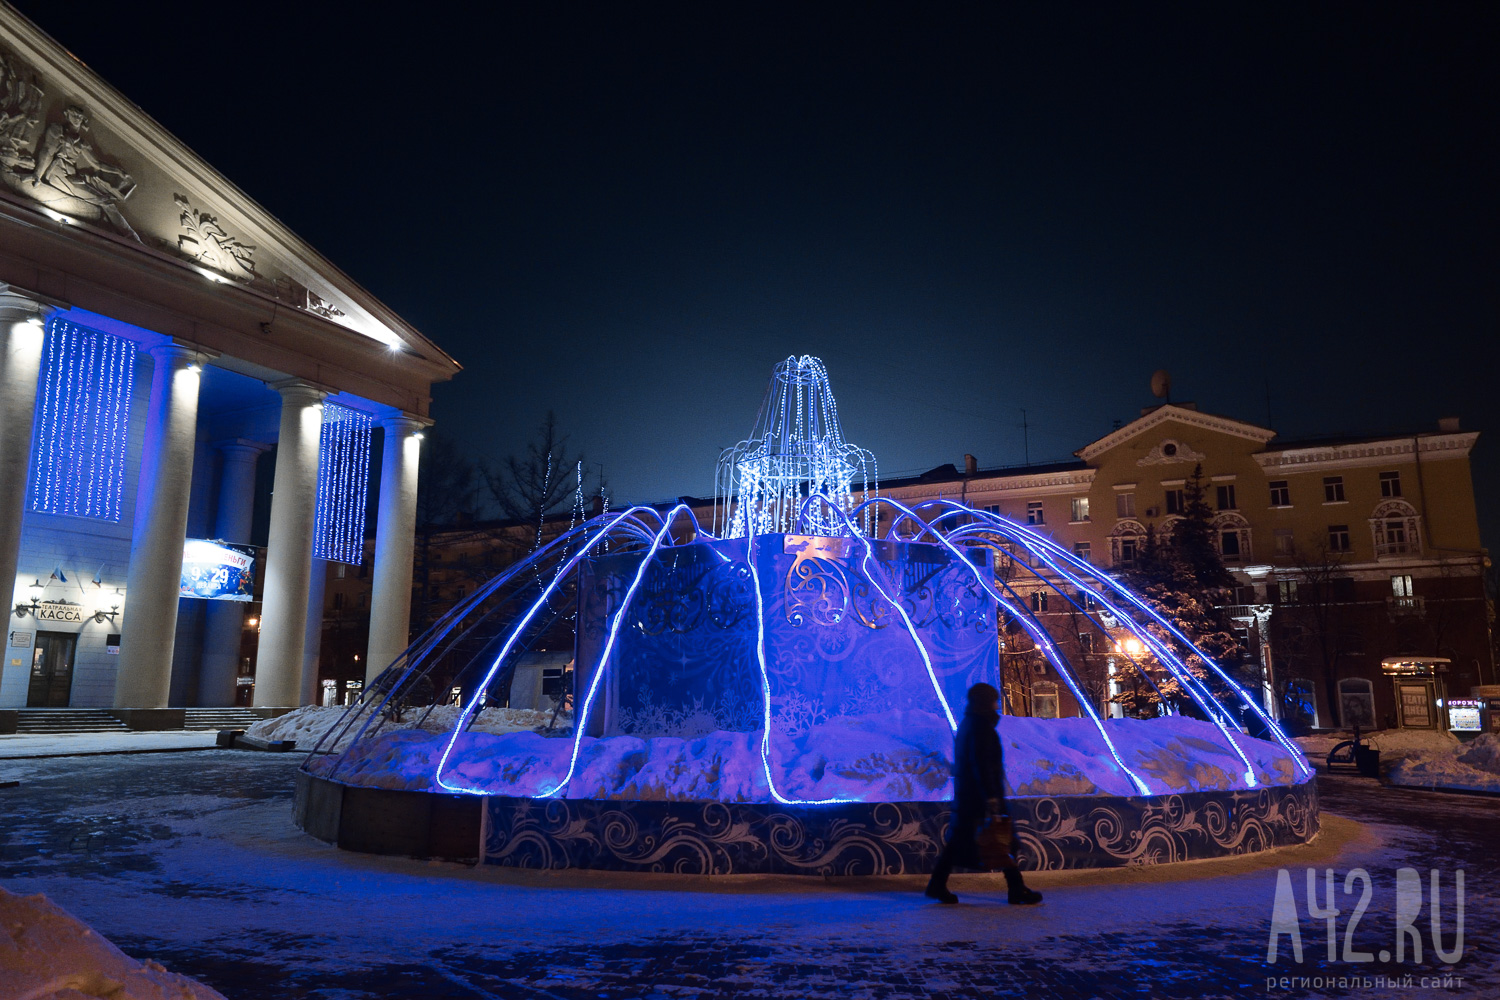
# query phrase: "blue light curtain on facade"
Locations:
[[82, 418], [343, 485]]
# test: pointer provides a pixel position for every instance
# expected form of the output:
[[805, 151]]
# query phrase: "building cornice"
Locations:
[[1037, 484], [1168, 412], [1364, 453]]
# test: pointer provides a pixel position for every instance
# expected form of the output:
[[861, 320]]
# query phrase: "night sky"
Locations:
[[628, 212]]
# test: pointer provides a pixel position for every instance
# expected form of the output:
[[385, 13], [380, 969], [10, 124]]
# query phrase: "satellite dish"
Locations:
[[1161, 384]]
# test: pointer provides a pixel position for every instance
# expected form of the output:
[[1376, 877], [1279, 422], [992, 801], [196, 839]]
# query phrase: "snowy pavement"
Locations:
[[23, 745], [192, 860]]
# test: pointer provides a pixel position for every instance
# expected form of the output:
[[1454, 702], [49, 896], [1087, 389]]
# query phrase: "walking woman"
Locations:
[[978, 795]]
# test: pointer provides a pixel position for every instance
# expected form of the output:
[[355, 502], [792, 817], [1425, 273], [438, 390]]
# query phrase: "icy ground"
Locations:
[[887, 757], [48, 954], [71, 744], [192, 860]]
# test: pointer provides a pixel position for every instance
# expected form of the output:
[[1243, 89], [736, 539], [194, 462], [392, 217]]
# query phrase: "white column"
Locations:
[[294, 501], [224, 621], [312, 642], [395, 535], [21, 335], [144, 679]]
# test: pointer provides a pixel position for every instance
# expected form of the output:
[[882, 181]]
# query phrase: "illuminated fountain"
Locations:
[[781, 695]]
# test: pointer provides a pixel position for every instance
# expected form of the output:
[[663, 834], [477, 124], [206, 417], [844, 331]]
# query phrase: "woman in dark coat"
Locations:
[[978, 794]]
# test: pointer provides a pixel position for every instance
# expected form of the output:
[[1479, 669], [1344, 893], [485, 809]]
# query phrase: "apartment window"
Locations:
[[1124, 505], [1176, 501], [338, 602], [1082, 550], [1229, 545], [1390, 484], [1286, 591], [1038, 600], [993, 508], [1401, 586], [1281, 494], [1338, 538], [1086, 642], [1333, 489], [461, 593], [1128, 550], [1285, 545], [1043, 700], [1226, 496], [1034, 513], [1080, 509], [339, 570]]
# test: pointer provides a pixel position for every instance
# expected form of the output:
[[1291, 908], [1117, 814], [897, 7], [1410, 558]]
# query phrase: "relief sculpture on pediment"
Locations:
[[206, 241], [62, 169]]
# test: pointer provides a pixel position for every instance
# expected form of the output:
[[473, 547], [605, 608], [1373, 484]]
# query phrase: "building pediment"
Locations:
[[77, 152], [1156, 420]]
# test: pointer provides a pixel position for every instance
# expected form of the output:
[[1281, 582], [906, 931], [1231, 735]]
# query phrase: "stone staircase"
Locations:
[[219, 718], [67, 720]]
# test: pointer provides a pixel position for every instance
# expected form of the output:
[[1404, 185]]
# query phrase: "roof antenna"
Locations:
[[1025, 436]]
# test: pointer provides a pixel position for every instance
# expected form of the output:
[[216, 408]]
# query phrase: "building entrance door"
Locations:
[[51, 670]]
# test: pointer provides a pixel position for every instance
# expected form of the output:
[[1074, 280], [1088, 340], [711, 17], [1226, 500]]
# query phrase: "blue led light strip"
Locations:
[[343, 485], [82, 422]]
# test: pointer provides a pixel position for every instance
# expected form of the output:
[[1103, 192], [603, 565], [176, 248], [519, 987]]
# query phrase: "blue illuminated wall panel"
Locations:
[[343, 485], [83, 411]]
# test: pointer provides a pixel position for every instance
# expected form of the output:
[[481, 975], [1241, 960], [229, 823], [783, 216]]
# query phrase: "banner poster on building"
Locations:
[[217, 571]]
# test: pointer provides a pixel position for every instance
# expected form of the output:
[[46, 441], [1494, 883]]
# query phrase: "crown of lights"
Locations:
[[795, 451]]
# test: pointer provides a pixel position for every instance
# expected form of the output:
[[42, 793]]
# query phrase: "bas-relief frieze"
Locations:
[[205, 240], [49, 156], [1169, 452]]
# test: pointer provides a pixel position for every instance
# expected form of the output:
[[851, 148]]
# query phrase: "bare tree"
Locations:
[[542, 482], [1316, 627]]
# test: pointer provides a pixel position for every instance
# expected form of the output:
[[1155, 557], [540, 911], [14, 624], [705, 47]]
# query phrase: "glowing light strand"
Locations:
[[82, 418], [343, 484]]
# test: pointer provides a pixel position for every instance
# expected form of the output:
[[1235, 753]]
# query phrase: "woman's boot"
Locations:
[[1019, 894]]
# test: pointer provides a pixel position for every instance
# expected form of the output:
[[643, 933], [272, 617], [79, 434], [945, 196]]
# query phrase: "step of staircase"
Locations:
[[219, 718], [67, 720]]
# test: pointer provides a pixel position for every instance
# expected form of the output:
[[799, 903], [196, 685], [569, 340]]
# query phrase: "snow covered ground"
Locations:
[[48, 954], [1393, 744], [887, 757]]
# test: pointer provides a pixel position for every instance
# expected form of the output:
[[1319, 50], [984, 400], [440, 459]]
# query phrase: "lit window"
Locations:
[[1082, 549], [1333, 489], [1044, 700], [1176, 501], [1281, 494], [1124, 505], [1034, 513], [1226, 496], [1338, 537], [1401, 585], [1286, 591], [1390, 484], [1080, 509], [1285, 545]]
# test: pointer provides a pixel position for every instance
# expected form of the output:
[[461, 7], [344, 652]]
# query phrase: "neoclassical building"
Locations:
[[179, 372], [1358, 559]]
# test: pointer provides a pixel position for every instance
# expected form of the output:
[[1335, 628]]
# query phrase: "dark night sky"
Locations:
[[627, 213]]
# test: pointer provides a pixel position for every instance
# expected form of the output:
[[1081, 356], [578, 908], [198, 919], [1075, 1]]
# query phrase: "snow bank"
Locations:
[[886, 757], [309, 724], [1474, 766], [1393, 744], [48, 954]]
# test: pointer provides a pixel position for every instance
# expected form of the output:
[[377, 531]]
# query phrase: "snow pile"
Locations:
[[893, 756], [1474, 766], [48, 954], [1393, 744], [308, 725]]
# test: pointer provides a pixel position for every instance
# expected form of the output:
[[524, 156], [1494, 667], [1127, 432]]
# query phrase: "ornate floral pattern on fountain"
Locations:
[[886, 838]]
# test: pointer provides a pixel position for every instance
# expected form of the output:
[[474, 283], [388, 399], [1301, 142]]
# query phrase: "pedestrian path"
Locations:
[[17, 746]]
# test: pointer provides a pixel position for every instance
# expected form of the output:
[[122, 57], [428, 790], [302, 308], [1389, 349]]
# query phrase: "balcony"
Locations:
[[1405, 607]]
